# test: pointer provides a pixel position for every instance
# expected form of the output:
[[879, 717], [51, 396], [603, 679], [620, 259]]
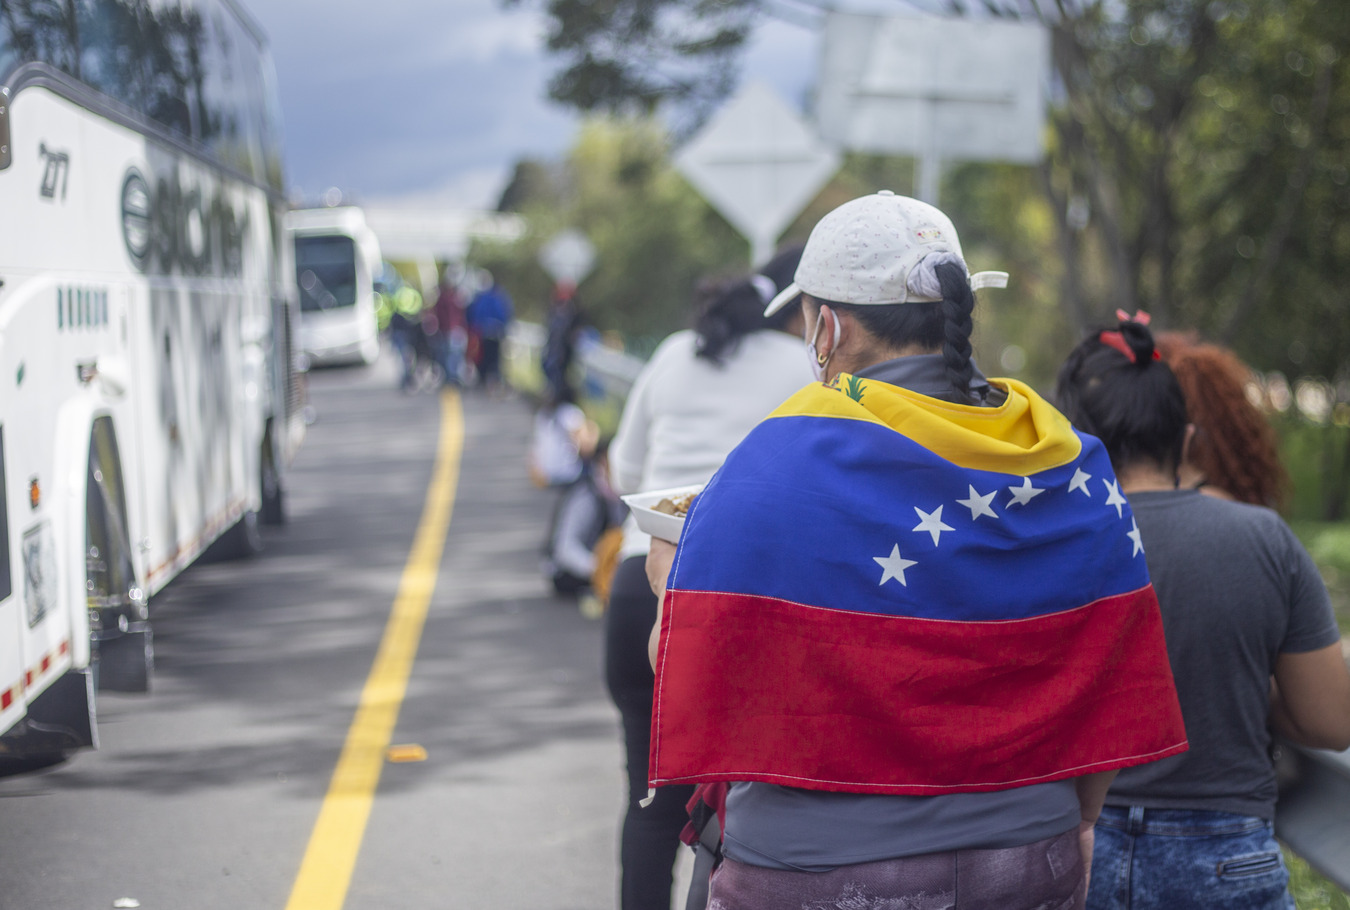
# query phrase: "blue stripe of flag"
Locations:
[[816, 510]]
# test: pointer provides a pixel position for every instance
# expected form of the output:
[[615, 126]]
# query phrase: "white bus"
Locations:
[[336, 261], [148, 398]]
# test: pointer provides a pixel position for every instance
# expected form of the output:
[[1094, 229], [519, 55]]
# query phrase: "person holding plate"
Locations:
[[908, 621]]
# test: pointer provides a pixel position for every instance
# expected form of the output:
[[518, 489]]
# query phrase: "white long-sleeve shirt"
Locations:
[[684, 414]]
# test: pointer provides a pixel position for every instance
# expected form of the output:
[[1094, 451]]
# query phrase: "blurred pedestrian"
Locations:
[[560, 342], [405, 331], [450, 328], [899, 620], [1234, 451], [1242, 605], [699, 394], [490, 314]]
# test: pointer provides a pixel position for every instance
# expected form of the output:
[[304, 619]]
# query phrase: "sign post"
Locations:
[[934, 88], [759, 164]]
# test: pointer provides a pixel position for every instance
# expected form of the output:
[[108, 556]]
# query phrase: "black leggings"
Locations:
[[651, 836]]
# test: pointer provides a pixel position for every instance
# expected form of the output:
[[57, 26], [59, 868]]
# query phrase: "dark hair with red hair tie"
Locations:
[[1116, 339], [1134, 406]]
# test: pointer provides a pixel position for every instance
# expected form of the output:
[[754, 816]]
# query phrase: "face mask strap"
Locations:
[[823, 359]]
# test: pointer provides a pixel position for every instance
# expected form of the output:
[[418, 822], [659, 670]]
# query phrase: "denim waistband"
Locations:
[[1178, 822]]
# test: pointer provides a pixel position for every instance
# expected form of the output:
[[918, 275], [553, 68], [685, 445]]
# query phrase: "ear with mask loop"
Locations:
[[819, 360]]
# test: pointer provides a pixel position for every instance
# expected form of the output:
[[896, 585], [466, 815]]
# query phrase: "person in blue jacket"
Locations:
[[490, 314]]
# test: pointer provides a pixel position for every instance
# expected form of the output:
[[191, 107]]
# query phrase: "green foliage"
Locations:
[[655, 237], [855, 389], [1328, 542], [1317, 457], [1208, 144], [1310, 890]]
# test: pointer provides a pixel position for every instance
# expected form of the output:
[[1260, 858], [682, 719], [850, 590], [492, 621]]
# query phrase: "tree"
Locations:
[[655, 237], [631, 56]]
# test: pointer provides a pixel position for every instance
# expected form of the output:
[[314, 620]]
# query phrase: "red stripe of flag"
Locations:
[[752, 688]]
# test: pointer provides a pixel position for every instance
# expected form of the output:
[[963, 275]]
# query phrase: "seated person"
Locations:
[[587, 508]]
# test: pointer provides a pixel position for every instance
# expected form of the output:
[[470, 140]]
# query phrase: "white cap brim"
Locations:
[[783, 298]]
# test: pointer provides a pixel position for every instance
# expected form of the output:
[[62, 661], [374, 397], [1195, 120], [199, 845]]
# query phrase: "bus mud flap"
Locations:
[[126, 661]]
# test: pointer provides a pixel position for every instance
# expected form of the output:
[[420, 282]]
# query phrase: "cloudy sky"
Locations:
[[435, 100]]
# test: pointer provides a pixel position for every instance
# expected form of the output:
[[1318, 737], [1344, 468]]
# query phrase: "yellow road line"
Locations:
[[326, 871]]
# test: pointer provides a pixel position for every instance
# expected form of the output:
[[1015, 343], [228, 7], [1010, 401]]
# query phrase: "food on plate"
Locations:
[[679, 506]]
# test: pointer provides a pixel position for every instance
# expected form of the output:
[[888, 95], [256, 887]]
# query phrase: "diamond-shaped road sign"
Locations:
[[759, 164], [569, 256]]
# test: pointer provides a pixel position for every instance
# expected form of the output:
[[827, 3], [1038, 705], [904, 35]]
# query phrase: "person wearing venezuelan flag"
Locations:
[[909, 621]]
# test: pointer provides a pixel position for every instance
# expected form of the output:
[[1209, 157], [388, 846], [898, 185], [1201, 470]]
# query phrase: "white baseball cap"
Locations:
[[865, 251]]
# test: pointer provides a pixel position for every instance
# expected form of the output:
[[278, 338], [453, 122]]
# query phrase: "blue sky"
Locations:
[[434, 100]]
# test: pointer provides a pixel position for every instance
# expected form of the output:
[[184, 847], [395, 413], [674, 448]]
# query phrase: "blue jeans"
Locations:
[[1176, 859]]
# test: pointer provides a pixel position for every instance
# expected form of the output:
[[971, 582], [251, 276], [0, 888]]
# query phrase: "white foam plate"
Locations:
[[659, 524]]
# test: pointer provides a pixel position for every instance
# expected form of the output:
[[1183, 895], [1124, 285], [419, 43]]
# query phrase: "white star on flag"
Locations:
[[1135, 536], [1113, 497], [1024, 494], [1079, 482], [893, 566], [932, 523], [979, 505]]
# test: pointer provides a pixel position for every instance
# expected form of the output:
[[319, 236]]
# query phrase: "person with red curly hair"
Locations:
[[1234, 451]]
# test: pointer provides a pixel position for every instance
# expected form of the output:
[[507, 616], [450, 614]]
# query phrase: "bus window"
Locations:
[[325, 269], [198, 68]]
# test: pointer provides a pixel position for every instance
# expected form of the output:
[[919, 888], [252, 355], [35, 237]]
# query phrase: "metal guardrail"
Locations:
[[1313, 812]]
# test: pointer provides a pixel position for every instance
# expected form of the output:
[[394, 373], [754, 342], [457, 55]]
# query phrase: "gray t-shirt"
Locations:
[[1237, 590], [814, 831]]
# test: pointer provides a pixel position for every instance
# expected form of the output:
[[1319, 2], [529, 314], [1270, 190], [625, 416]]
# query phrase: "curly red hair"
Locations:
[[1234, 445]]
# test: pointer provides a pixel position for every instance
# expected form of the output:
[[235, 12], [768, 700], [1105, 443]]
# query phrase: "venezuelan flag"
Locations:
[[882, 592]]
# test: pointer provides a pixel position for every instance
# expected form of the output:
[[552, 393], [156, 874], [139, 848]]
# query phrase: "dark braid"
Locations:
[[958, 302], [933, 325]]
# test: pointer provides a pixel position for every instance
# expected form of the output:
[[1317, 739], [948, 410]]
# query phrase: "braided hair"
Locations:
[[944, 325], [1114, 386]]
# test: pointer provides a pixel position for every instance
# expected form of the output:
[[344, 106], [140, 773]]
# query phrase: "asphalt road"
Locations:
[[204, 793]]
